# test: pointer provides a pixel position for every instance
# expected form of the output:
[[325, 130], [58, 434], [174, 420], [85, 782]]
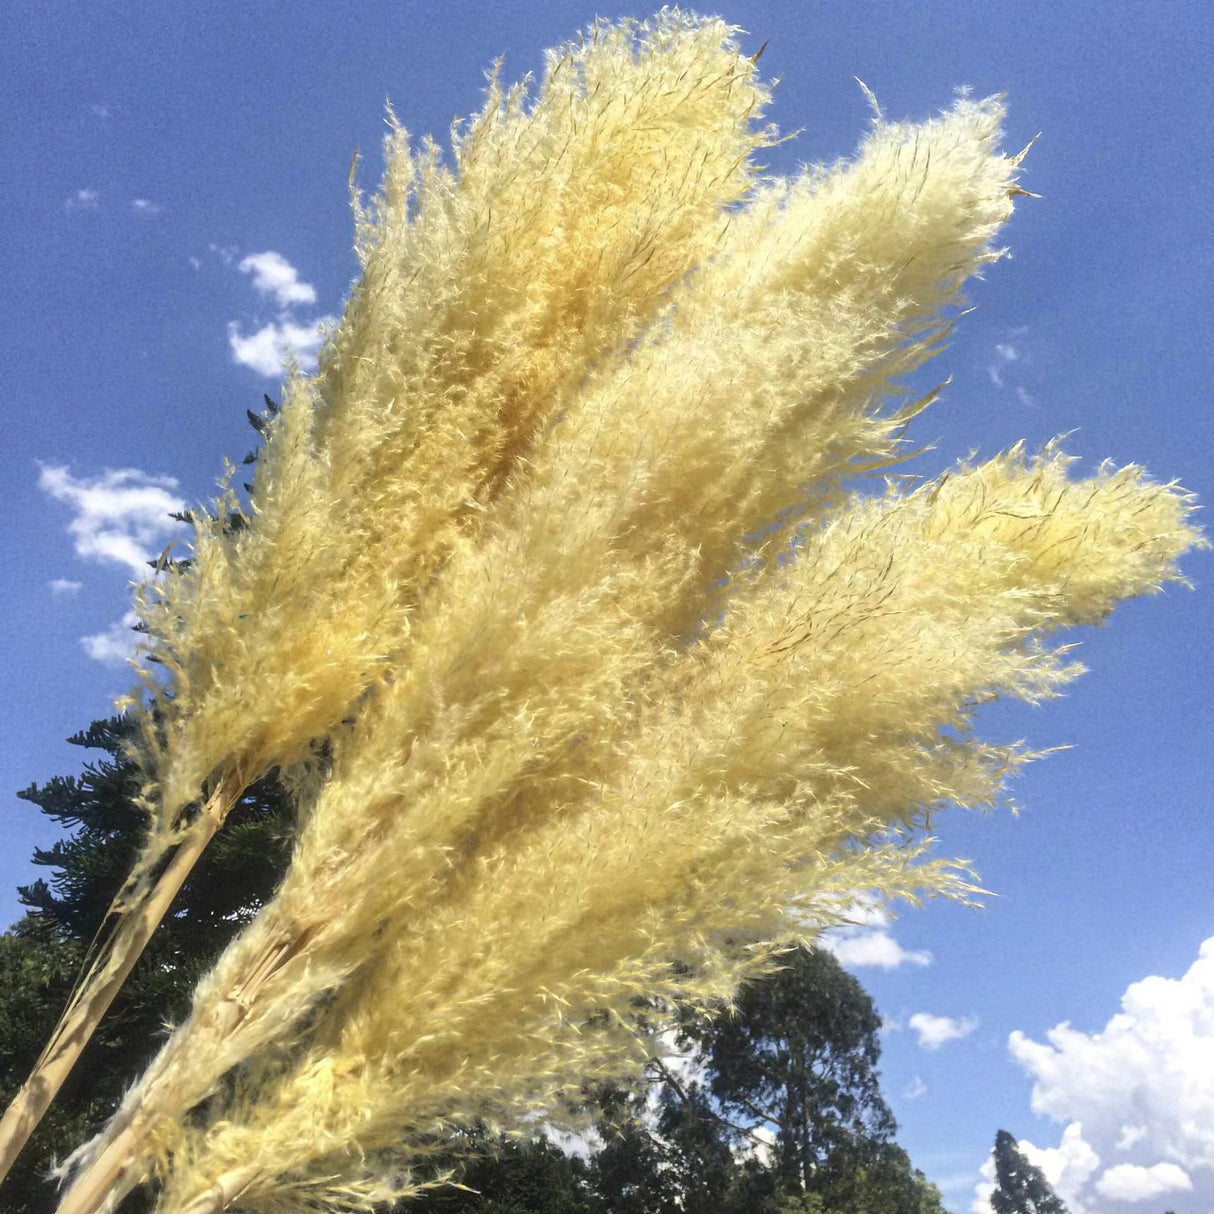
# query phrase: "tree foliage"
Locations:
[[701, 1136], [794, 1064], [797, 1058]]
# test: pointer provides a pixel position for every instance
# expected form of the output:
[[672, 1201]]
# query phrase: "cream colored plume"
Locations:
[[488, 288]]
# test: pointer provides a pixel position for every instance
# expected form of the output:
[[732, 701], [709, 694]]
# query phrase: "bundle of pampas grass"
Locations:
[[592, 675]]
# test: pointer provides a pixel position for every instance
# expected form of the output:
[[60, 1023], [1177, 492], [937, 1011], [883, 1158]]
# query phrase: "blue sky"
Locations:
[[175, 196]]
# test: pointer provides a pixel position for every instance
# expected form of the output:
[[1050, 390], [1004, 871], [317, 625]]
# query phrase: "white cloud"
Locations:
[[935, 1031], [915, 1089], [865, 940], [116, 645], [582, 1144], [1128, 1182], [873, 948], [120, 516], [983, 1191], [268, 350], [1004, 354], [271, 346], [1143, 1087], [1068, 1166], [759, 1144], [144, 206], [1130, 1134], [274, 275], [81, 200]]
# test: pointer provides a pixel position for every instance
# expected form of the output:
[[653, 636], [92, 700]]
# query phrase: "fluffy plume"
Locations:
[[585, 737], [489, 287]]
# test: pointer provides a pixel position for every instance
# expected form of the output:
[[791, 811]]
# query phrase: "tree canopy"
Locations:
[[794, 1065]]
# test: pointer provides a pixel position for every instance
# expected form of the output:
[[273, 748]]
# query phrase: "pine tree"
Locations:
[[1021, 1187]]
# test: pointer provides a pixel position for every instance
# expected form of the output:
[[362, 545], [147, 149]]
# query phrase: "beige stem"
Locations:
[[108, 1179], [226, 1190], [110, 1176], [83, 1014]]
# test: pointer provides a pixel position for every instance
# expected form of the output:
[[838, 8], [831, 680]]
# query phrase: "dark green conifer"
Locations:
[[1021, 1186]]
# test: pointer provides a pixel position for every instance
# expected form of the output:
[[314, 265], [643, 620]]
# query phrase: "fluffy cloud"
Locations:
[[1068, 1166], [271, 346], [144, 206], [865, 940], [1142, 1087], [1130, 1134], [1005, 353], [1002, 368], [873, 948], [935, 1031], [81, 200], [1128, 1182], [116, 644], [121, 516], [268, 350], [274, 275]]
